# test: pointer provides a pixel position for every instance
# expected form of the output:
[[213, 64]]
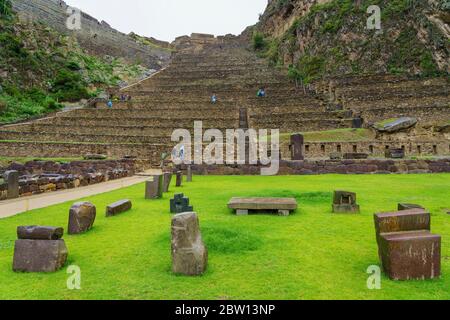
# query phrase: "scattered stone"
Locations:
[[408, 206], [167, 178], [345, 202], [245, 205], [296, 147], [81, 217], [356, 156], [396, 125], [179, 178], [189, 253], [407, 248], [336, 156], [189, 174], [395, 153], [12, 180], [118, 207], [154, 187], [180, 204], [39, 249], [95, 157], [39, 233]]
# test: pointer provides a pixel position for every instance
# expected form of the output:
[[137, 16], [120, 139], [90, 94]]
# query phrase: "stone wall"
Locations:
[[333, 167], [96, 37], [38, 177]]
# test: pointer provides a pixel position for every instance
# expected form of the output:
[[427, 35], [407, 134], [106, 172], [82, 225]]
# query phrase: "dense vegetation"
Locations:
[[40, 68], [335, 40]]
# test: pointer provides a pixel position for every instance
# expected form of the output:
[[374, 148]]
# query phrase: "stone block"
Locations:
[[81, 217], [406, 248], [39, 233], [189, 174], [189, 253], [167, 178], [409, 206], [345, 202], [118, 207], [39, 255], [179, 176], [296, 147], [180, 204], [283, 206], [12, 180], [154, 187]]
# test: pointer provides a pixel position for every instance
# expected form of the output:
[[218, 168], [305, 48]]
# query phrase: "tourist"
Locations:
[[261, 93], [110, 104], [214, 99]]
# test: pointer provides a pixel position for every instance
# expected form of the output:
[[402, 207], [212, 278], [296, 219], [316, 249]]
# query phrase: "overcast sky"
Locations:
[[168, 19]]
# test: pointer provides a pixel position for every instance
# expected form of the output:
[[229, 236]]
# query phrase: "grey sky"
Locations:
[[168, 19]]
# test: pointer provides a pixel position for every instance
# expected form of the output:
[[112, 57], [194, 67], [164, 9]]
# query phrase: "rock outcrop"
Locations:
[[98, 38]]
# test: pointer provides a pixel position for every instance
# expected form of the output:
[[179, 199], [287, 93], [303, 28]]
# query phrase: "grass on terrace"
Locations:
[[5, 161], [312, 254], [351, 135]]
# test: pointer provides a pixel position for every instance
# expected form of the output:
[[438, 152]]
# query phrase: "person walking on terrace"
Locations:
[[214, 99], [261, 93], [109, 104]]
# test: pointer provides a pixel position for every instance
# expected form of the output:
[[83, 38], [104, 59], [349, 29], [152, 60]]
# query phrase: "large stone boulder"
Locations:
[[81, 217], [189, 253], [39, 255], [154, 187], [395, 125]]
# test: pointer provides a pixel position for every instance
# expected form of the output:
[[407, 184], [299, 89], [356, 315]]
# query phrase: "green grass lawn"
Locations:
[[312, 254]]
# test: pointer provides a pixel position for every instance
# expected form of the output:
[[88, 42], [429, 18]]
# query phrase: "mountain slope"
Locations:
[[330, 38]]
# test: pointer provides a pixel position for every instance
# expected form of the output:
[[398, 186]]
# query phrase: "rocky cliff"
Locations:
[[96, 37], [330, 37]]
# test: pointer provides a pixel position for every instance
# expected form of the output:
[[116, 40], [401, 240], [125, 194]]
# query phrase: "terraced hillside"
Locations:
[[180, 95]]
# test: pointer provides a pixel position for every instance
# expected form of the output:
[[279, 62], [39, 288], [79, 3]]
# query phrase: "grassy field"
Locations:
[[312, 254]]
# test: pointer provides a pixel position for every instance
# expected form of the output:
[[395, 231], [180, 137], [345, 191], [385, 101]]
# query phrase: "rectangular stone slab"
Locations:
[[263, 204], [413, 255], [406, 220], [39, 255], [39, 233], [118, 207]]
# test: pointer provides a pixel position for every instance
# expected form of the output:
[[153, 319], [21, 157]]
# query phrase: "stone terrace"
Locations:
[[180, 94], [175, 98]]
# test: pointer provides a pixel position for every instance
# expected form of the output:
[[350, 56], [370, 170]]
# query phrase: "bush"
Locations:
[[5, 8], [259, 43], [69, 86]]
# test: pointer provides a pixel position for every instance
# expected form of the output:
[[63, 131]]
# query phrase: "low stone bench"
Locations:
[[245, 205], [118, 207], [407, 248]]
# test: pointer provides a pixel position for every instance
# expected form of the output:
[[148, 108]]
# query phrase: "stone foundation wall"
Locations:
[[38, 177], [373, 148], [333, 167]]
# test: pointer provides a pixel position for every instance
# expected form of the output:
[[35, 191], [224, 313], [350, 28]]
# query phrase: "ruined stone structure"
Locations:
[[180, 94], [96, 37]]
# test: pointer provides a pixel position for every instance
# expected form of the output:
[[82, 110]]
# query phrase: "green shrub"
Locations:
[[69, 86], [259, 43], [5, 8]]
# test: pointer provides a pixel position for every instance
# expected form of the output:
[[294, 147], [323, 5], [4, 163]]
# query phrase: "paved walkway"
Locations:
[[9, 208]]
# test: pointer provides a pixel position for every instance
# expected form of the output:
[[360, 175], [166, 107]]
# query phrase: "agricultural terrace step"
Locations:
[[312, 115], [403, 95], [67, 150], [240, 87], [137, 123], [424, 102], [357, 83], [418, 91], [299, 125], [206, 112], [107, 129], [83, 138], [431, 114]]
